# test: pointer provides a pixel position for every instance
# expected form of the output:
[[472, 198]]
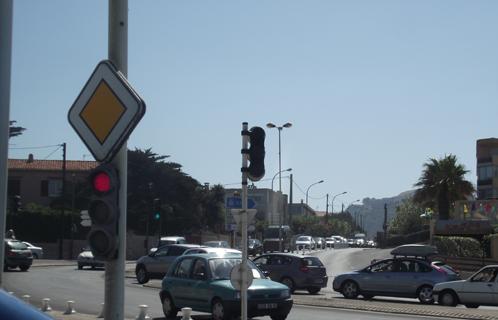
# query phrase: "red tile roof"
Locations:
[[50, 165]]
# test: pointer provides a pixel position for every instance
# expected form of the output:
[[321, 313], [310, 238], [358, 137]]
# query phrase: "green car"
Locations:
[[202, 282]]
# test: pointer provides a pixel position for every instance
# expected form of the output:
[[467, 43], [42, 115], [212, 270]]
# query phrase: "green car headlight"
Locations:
[[285, 294]]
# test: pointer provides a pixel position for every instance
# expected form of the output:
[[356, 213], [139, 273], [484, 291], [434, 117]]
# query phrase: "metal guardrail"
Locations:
[[466, 263]]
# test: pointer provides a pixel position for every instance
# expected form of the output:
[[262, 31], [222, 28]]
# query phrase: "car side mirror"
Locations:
[[266, 273]]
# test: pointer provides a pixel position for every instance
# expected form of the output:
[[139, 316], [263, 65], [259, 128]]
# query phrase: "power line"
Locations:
[[41, 147], [52, 152]]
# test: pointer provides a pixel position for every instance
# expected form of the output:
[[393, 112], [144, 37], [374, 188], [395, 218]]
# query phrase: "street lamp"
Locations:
[[290, 169], [309, 189], [287, 125], [333, 198]]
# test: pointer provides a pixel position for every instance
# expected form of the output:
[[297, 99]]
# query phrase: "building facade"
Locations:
[[487, 168], [40, 181]]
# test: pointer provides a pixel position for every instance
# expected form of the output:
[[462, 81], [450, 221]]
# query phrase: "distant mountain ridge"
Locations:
[[372, 211]]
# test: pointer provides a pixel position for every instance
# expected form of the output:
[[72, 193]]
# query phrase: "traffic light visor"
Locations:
[[102, 182]]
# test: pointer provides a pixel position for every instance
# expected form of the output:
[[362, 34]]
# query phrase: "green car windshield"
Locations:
[[221, 268]]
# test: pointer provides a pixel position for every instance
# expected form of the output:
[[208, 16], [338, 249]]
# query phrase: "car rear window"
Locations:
[[17, 245], [312, 262], [176, 251]]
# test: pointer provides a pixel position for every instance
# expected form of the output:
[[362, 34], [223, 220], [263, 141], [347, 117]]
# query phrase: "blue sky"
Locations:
[[373, 88]]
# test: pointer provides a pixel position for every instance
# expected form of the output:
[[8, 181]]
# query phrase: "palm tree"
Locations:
[[442, 183], [15, 131]]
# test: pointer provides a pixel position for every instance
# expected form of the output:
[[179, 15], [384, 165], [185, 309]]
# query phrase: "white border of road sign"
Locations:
[[131, 101]]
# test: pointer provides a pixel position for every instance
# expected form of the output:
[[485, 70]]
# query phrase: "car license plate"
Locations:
[[267, 306]]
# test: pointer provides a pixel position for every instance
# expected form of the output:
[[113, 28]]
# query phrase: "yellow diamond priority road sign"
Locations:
[[106, 111]]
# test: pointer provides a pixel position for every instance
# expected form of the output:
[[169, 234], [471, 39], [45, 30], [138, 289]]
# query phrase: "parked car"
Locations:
[[16, 254], [254, 247], [304, 242], [216, 244], [396, 277], [168, 240], [481, 289], [156, 264], [36, 251], [86, 259], [212, 250], [294, 270], [202, 282]]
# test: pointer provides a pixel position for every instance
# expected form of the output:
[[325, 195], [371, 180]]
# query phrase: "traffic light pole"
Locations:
[[243, 289], [115, 269], [6, 8]]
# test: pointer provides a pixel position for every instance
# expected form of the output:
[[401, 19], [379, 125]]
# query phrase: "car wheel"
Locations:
[[169, 309], [472, 306], [289, 283], [218, 311], [425, 295], [141, 274], [448, 298], [24, 268], [314, 290], [350, 290]]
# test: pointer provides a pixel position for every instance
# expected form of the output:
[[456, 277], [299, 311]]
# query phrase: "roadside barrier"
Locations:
[[26, 298], [70, 307], [46, 305], [143, 313], [186, 312], [101, 314]]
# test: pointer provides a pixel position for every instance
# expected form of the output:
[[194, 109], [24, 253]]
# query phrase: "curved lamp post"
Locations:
[[280, 128], [309, 189], [290, 169], [333, 198]]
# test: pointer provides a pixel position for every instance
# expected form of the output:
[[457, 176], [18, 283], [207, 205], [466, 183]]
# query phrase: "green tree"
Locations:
[[407, 219], [15, 131], [442, 183]]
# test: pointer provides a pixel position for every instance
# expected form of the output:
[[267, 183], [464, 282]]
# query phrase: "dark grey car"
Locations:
[[397, 277], [17, 254], [294, 270], [156, 264]]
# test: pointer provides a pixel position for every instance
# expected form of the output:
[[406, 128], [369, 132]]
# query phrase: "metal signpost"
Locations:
[[243, 272]]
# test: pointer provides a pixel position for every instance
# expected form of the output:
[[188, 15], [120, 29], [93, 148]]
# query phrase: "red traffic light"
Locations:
[[102, 182]]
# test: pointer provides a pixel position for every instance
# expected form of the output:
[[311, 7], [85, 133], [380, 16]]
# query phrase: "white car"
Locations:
[[480, 289], [305, 242], [37, 252], [86, 259], [212, 250]]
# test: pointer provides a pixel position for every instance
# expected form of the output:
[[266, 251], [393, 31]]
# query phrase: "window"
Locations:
[[199, 271], [262, 260], [51, 188], [14, 187], [383, 266], [183, 268], [161, 252], [486, 275], [176, 251]]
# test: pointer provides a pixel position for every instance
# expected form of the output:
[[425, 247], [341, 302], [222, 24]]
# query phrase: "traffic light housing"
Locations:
[[16, 204], [156, 208], [104, 212], [256, 152]]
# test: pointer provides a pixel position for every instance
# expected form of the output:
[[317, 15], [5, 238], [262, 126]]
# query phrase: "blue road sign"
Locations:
[[236, 203]]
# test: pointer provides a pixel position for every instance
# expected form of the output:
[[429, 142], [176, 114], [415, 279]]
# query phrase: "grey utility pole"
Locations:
[[115, 269], [243, 269], [5, 69]]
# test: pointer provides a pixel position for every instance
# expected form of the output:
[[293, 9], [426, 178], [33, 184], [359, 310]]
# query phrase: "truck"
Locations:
[[273, 235]]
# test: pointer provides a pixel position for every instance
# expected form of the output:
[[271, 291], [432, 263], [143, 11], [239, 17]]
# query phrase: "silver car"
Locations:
[[480, 289], [156, 264], [36, 251], [396, 277]]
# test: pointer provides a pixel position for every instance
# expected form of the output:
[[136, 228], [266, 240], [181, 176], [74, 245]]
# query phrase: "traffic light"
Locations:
[[16, 203], [256, 169], [104, 212], [156, 208]]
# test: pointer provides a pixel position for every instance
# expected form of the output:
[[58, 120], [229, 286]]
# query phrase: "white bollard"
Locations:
[[143, 312], [46, 305], [101, 314], [70, 307], [26, 298], [186, 312]]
